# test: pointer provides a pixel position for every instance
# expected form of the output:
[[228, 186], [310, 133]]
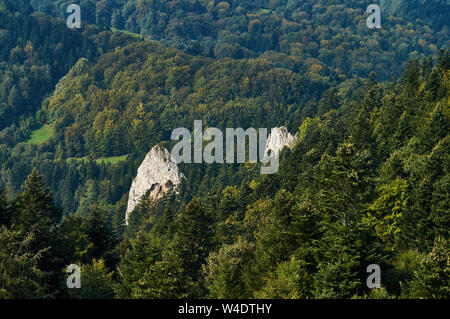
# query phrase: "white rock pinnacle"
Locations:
[[279, 138], [155, 171]]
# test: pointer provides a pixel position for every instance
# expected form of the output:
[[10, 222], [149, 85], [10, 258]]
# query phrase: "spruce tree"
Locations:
[[101, 235], [151, 270], [35, 205], [20, 276], [192, 241], [35, 213]]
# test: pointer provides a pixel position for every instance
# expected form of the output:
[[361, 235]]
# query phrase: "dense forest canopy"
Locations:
[[35, 53], [367, 181], [331, 33]]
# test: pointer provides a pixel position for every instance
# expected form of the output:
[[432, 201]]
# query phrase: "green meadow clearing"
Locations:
[[135, 35], [106, 160], [41, 135]]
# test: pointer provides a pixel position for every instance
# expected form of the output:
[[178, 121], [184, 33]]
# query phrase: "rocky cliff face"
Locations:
[[155, 171], [279, 138]]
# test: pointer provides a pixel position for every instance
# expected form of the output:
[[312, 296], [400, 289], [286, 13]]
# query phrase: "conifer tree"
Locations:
[[35, 212], [344, 184], [35, 205], [20, 276], [192, 240], [151, 270], [361, 129], [101, 235]]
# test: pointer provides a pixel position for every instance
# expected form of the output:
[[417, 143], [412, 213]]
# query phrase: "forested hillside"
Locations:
[[367, 181], [134, 97], [330, 33], [36, 51], [433, 13]]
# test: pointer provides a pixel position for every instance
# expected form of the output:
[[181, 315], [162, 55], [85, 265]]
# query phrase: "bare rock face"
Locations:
[[279, 138], [155, 171]]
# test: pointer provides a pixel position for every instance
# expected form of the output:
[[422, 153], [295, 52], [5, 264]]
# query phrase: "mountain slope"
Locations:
[[36, 51], [332, 33]]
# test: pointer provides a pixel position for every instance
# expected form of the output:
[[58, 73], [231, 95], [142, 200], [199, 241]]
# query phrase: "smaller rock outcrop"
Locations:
[[279, 138]]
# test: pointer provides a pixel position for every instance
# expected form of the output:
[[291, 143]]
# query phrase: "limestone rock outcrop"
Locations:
[[156, 170]]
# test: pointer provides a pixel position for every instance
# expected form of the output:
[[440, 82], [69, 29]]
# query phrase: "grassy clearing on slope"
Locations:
[[41, 135], [106, 160], [135, 35]]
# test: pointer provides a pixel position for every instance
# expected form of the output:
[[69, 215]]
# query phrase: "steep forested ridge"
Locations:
[[36, 51], [367, 181], [134, 97]]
